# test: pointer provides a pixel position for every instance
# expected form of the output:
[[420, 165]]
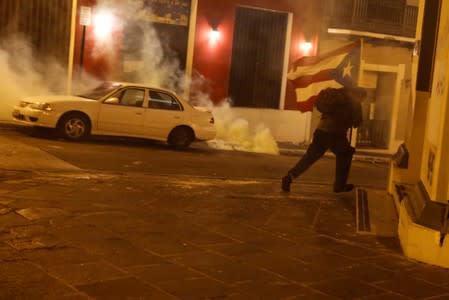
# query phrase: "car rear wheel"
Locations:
[[73, 126], [181, 137]]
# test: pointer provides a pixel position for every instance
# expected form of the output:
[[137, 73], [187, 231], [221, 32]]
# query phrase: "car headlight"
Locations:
[[41, 106], [24, 103]]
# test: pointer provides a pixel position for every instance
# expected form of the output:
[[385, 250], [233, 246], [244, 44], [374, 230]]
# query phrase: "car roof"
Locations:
[[124, 83]]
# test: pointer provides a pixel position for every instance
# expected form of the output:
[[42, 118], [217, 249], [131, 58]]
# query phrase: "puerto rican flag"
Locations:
[[311, 74]]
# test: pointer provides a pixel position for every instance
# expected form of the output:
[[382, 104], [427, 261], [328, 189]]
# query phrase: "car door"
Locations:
[[123, 113], [163, 114]]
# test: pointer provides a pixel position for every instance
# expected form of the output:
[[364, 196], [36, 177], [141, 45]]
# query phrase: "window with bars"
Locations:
[[45, 23], [257, 57]]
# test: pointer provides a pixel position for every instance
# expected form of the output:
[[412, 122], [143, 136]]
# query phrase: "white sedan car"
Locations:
[[120, 109]]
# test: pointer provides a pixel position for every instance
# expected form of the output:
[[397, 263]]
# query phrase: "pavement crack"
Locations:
[[315, 218], [34, 245]]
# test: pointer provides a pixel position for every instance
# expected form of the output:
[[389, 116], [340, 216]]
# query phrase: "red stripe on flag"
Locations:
[[304, 81], [307, 105], [313, 60]]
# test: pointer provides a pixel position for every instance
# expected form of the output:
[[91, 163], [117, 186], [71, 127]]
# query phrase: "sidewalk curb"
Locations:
[[381, 159]]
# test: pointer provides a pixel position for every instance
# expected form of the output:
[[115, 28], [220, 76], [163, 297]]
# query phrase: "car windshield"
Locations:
[[100, 91]]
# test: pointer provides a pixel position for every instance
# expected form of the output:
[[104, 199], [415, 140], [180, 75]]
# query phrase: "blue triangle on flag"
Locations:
[[347, 72]]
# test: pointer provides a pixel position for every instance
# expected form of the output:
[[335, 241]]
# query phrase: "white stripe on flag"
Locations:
[[303, 94], [328, 63]]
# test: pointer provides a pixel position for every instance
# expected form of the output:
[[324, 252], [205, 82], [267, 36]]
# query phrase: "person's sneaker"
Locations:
[[346, 188], [286, 181]]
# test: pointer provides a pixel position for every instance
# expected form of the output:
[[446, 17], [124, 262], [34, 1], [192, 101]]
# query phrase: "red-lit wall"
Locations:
[[95, 62], [213, 60]]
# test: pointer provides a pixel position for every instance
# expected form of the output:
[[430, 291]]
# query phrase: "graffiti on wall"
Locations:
[[430, 166]]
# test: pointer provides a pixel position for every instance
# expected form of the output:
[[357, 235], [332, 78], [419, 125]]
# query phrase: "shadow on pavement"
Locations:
[[51, 134]]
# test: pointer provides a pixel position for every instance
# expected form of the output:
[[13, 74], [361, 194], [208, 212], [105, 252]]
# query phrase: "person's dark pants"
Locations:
[[322, 141]]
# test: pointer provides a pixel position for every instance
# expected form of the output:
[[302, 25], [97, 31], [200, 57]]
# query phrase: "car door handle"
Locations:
[[138, 113], [177, 117]]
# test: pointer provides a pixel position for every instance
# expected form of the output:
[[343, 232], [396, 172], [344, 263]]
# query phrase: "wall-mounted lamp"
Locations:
[[214, 35], [103, 22], [305, 47]]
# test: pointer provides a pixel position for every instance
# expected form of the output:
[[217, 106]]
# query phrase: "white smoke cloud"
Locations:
[[152, 64], [236, 133], [19, 74], [23, 75], [233, 132]]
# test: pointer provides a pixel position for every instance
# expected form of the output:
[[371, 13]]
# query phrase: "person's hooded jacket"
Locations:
[[340, 109]]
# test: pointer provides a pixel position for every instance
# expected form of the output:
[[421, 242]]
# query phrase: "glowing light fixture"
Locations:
[[305, 46], [103, 22], [214, 36]]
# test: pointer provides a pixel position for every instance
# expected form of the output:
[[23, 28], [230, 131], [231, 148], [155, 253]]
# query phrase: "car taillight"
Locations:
[[212, 121]]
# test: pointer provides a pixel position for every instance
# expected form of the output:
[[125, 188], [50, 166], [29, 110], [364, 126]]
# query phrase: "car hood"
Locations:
[[56, 98]]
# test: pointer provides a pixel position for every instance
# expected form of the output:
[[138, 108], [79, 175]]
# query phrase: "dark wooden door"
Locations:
[[257, 57]]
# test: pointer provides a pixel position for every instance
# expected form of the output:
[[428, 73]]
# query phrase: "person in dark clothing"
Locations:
[[340, 110]]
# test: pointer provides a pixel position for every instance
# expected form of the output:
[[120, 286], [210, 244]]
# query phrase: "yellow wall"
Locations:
[[434, 171]]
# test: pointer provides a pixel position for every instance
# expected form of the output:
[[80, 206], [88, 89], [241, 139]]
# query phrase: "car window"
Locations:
[[160, 100], [131, 97], [100, 91]]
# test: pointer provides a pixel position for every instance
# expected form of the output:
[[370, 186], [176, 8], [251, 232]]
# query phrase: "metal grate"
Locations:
[[363, 220], [373, 133]]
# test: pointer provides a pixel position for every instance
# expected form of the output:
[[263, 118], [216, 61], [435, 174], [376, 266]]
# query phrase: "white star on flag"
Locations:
[[347, 70]]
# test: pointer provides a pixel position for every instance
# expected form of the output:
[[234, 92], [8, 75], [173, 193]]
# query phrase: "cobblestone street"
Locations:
[[113, 236]]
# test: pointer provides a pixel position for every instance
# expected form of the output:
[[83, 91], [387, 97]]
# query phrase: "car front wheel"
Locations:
[[73, 126], [181, 137]]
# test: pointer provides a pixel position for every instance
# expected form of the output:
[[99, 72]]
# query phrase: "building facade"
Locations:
[[420, 185], [236, 50]]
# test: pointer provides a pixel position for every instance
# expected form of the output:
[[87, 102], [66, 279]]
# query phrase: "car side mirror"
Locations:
[[113, 100]]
